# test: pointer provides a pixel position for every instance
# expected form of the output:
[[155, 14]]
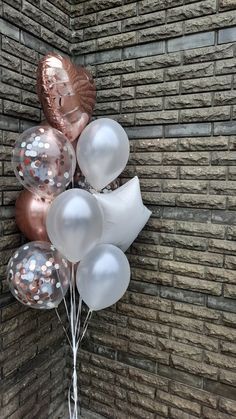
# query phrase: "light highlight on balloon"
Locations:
[[31, 211], [102, 152], [74, 223], [103, 276]]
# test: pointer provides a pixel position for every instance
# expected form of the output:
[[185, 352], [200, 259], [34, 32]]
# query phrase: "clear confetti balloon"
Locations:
[[38, 275], [44, 161]]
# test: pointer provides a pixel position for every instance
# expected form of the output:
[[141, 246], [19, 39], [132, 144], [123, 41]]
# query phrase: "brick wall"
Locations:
[[32, 354], [165, 70]]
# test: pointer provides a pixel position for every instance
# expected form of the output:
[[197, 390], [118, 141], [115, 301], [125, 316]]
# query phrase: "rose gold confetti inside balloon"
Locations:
[[67, 94], [44, 161], [31, 212], [38, 275]]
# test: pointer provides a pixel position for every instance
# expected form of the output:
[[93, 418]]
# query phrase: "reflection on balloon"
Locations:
[[44, 161], [74, 223], [102, 152], [31, 211], [38, 275], [81, 182], [67, 94], [103, 276]]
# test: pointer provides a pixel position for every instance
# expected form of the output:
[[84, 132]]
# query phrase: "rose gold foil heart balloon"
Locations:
[[67, 94]]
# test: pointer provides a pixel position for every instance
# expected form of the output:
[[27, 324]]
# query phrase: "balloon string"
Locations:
[[74, 297], [64, 299], [78, 317], [69, 403], [74, 346], [66, 308], [60, 320], [85, 327], [77, 336]]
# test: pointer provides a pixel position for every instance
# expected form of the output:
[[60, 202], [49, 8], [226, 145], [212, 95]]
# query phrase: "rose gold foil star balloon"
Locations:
[[67, 94]]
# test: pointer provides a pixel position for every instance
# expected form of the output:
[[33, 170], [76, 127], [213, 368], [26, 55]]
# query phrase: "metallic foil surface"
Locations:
[[31, 212], [67, 94]]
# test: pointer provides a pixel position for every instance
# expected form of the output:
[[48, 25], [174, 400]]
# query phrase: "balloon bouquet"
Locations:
[[78, 238]]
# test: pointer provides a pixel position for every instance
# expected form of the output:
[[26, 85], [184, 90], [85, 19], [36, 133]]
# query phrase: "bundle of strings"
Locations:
[[75, 336]]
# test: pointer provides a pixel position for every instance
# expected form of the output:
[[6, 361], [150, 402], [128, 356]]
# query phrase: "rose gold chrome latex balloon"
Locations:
[[67, 94], [31, 212]]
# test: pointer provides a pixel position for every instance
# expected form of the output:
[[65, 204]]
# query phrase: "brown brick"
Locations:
[[220, 361], [221, 332], [139, 375], [229, 291], [147, 403], [158, 61], [195, 339], [185, 158], [206, 84], [177, 240], [228, 378], [116, 390], [194, 311], [191, 172], [229, 319], [204, 258], [143, 21], [136, 311], [211, 22], [179, 349], [135, 386], [135, 336], [208, 53], [202, 201], [197, 285], [189, 72], [194, 367], [178, 321], [12, 15], [228, 348], [176, 401], [177, 413], [227, 4], [115, 13], [158, 89], [129, 409], [194, 394], [181, 268], [227, 406], [191, 11], [216, 114], [149, 327], [213, 414], [219, 274]]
